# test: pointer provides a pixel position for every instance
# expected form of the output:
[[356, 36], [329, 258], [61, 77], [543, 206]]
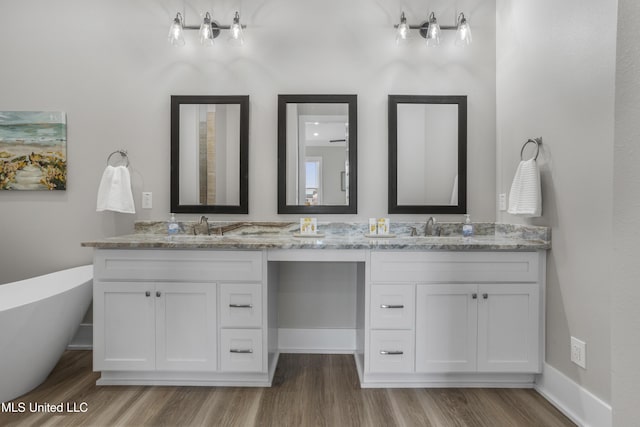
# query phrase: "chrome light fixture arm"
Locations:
[[423, 28], [179, 24]]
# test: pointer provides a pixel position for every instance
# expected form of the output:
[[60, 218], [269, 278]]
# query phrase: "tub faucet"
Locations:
[[431, 229]]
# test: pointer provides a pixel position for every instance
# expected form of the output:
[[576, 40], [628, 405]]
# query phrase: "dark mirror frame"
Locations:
[[461, 102], [243, 101], [352, 101]]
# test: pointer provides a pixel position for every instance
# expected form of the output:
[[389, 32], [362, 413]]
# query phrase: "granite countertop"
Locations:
[[260, 235]]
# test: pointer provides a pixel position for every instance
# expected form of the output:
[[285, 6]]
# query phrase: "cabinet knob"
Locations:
[[485, 296], [474, 295], [158, 293], [147, 294]]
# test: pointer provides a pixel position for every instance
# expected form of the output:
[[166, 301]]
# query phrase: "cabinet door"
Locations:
[[392, 306], [241, 305], [186, 326], [509, 328], [124, 326], [446, 322]]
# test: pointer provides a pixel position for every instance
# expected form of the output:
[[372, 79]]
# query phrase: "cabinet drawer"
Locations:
[[241, 305], [241, 350], [177, 265], [388, 266], [392, 351], [392, 306]]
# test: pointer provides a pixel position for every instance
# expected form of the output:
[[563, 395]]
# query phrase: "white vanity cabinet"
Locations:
[[186, 317], [483, 328], [392, 328], [205, 312], [241, 327], [155, 326], [470, 318]]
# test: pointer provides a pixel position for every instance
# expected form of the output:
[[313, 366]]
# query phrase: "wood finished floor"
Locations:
[[308, 390]]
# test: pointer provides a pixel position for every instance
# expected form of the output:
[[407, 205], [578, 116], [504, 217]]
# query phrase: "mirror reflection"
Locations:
[[427, 149], [209, 148], [316, 144], [210, 154]]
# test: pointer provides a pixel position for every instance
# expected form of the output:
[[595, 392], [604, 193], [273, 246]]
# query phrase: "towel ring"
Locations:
[[536, 141], [123, 157]]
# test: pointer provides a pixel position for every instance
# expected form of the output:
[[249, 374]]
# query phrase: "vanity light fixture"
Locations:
[[463, 31], [176, 38], [236, 29], [433, 31], [208, 30], [402, 28], [430, 30]]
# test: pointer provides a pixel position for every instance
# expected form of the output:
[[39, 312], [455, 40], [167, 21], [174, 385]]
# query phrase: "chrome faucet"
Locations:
[[434, 230], [202, 227]]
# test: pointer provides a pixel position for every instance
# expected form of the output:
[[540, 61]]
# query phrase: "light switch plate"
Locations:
[[147, 200], [502, 201]]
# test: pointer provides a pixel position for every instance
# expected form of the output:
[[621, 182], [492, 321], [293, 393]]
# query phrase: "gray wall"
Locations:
[[625, 315], [556, 81], [108, 66]]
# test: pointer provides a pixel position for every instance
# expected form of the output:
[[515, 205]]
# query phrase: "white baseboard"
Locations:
[[321, 341], [577, 403], [83, 340]]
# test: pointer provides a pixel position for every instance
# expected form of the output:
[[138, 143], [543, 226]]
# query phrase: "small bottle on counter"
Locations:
[[172, 226], [467, 227]]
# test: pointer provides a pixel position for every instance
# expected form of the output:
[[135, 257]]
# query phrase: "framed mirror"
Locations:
[[317, 154], [210, 154], [427, 154]]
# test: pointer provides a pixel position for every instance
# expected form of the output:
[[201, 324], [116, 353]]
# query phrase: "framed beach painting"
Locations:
[[33, 150]]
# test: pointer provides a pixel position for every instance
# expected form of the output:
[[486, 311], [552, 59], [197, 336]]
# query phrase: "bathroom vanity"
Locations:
[[430, 311]]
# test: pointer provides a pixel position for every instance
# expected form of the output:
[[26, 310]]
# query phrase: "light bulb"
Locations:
[[176, 38], [402, 32], [433, 31], [463, 32], [206, 32], [236, 30]]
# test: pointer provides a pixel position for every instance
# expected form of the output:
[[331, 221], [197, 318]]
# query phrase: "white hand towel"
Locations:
[[114, 192], [525, 197]]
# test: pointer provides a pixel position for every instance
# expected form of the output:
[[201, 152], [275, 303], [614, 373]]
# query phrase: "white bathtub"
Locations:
[[38, 318]]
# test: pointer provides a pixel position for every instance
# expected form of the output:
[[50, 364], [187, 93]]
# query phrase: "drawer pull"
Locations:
[[241, 305], [240, 351], [391, 352], [391, 306]]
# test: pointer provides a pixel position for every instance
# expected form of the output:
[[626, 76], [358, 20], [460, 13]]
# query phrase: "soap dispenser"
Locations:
[[172, 226], [467, 227]]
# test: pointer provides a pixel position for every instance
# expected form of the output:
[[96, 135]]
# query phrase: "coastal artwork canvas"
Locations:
[[33, 150]]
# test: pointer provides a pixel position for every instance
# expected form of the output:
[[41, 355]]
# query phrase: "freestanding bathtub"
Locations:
[[38, 318]]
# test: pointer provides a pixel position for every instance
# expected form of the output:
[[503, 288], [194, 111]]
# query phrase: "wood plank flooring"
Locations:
[[308, 390]]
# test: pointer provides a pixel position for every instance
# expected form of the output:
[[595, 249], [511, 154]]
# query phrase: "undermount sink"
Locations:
[[441, 239], [190, 237]]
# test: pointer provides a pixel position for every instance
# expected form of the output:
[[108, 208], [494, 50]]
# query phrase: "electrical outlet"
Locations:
[[502, 201], [147, 200], [578, 352]]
